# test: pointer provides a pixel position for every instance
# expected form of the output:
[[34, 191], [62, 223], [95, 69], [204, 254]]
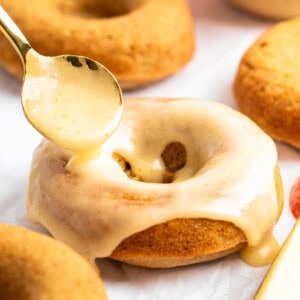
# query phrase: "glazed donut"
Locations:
[[136, 39], [34, 266], [177, 183], [267, 83], [274, 9]]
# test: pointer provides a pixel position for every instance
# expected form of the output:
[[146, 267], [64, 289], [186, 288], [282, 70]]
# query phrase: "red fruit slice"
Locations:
[[295, 199]]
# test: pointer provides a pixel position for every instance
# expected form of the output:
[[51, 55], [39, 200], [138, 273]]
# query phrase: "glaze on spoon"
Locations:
[[72, 100]]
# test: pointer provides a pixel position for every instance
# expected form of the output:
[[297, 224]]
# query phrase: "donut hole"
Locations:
[[100, 8], [174, 157]]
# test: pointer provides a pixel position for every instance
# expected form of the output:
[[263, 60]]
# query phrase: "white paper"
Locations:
[[223, 34]]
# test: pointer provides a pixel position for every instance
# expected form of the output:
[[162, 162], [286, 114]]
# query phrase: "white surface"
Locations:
[[223, 34]]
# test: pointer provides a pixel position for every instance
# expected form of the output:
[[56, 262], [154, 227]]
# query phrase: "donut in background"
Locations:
[[138, 41], [272, 9], [266, 86], [34, 266]]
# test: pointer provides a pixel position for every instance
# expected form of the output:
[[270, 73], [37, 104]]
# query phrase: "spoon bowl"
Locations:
[[71, 100]]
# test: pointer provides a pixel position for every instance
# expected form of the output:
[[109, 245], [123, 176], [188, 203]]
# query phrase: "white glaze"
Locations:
[[76, 107], [229, 175]]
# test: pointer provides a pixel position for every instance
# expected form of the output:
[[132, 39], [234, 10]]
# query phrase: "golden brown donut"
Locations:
[[34, 266], [267, 84], [178, 183], [139, 41], [273, 9]]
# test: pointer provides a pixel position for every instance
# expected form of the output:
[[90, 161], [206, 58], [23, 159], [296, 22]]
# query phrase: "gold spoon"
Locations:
[[72, 100]]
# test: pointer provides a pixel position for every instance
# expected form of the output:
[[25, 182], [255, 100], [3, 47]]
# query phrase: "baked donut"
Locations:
[[274, 9], [177, 183], [34, 266], [135, 40], [267, 83]]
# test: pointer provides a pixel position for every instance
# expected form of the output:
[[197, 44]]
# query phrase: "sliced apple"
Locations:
[[283, 278]]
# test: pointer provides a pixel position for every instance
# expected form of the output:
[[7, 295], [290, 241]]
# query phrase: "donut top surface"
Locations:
[[168, 159], [71, 100]]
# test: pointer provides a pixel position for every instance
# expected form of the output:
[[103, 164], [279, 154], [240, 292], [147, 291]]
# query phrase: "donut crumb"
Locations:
[[125, 166]]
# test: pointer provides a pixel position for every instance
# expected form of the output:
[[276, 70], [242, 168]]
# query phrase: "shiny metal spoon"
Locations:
[[72, 100]]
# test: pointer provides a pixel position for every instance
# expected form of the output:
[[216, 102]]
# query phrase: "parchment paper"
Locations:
[[223, 34]]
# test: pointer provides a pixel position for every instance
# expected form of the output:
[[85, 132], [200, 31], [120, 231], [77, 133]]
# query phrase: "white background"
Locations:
[[223, 34]]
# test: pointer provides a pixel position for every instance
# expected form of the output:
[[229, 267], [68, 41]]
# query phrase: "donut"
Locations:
[[266, 86], [34, 266], [178, 183], [138, 41], [273, 9]]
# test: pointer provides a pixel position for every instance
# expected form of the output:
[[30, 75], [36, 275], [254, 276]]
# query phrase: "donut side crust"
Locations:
[[267, 83], [182, 242]]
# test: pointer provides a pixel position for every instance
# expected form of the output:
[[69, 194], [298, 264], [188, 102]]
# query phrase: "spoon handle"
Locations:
[[14, 34]]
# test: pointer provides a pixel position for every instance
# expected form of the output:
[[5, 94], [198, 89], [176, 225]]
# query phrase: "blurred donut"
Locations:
[[273, 9], [138, 41], [266, 85], [34, 266]]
